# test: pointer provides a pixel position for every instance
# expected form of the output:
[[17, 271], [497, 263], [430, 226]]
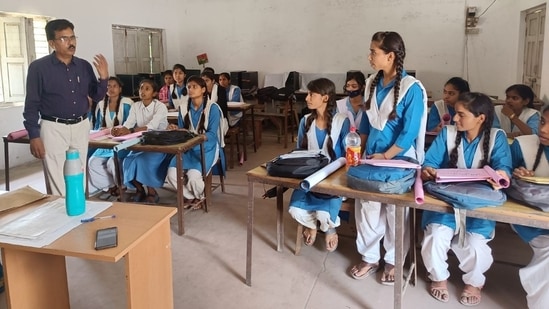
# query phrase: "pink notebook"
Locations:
[[390, 163], [472, 174], [126, 137], [100, 133], [17, 134]]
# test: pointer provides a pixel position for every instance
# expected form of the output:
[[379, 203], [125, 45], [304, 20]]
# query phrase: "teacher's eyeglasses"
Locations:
[[67, 39]]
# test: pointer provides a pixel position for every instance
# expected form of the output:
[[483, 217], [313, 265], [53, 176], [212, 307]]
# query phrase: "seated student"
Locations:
[[216, 93], [164, 93], [453, 88], [102, 170], [471, 143], [531, 158], [325, 131], [517, 116], [145, 168], [353, 105], [233, 95], [178, 90], [203, 116]]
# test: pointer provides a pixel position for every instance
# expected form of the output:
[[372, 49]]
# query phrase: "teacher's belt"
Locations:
[[65, 120]]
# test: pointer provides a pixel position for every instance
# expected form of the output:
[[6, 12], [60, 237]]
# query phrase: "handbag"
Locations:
[[166, 137]]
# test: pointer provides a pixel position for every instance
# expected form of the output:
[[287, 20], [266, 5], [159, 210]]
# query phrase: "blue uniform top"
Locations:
[[433, 120]]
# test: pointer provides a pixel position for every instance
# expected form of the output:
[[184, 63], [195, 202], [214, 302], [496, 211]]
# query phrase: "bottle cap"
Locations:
[[353, 129], [72, 154]]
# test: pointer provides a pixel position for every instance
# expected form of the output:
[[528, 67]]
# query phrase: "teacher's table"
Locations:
[[37, 277], [177, 150], [336, 184]]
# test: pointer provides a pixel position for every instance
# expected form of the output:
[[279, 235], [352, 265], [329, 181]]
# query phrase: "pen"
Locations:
[[97, 218]]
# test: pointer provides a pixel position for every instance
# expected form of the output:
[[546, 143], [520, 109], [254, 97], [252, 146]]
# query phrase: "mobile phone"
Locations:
[[106, 238]]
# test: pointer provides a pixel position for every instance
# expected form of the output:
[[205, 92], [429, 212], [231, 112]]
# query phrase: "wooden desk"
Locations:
[[177, 150], [37, 277], [336, 184]]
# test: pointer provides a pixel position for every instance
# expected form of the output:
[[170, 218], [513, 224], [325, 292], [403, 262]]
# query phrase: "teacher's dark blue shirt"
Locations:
[[59, 90]]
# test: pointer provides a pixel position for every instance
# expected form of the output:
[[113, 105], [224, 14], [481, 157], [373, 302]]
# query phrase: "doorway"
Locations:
[[533, 48]]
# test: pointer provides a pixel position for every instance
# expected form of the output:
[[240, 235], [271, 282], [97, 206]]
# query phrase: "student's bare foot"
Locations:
[[331, 241], [363, 270], [309, 236], [388, 277], [439, 290], [470, 296]]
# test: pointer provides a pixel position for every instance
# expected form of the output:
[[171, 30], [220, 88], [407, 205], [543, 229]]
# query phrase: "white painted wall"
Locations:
[[309, 36]]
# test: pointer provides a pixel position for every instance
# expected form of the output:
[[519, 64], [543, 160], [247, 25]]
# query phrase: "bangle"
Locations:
[[512, 116]]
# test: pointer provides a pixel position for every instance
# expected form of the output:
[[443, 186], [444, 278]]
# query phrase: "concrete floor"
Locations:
[[209, 260]]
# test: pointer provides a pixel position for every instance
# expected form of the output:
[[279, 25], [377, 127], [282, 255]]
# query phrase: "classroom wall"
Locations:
[[310, 36]]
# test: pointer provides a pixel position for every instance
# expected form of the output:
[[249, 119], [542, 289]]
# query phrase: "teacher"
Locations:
[[58, 87]]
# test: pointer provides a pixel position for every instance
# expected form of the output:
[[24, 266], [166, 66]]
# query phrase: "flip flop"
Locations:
[[308, 238], [371, 270], [388, 277], [439, 290], [469, 294]]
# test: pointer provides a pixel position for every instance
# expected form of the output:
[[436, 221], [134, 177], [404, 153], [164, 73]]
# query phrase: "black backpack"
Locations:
[[296, 164], [166, 137]]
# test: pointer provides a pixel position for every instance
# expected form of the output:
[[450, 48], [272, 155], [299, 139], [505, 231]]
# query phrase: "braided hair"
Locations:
[[201, 129], [541, 146], [106, 102], [322, 86], [478, 104], [389, 42]]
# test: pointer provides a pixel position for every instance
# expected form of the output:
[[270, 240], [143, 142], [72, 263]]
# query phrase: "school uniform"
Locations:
[[178, 96], [192, 163], [376, 220], [101, 165], [534, 276], [306, 207], [528, 115], [475, 256], [234, 95], [436, 114], [148, 168], [344, 106]]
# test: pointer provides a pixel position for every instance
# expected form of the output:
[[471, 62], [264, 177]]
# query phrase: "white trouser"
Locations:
[[57, 138], [194, 189], [102, 172], [375, 221], [309, 218], [475, 257], [535, 276]]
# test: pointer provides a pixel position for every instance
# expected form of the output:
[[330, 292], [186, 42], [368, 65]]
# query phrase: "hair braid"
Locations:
[[116, 122], [454, 153], [305, 141], [538, 157], [105, 107], [187, 119], [373, 85], [396, 87], [330, 144], [201, 128], [486, 146]]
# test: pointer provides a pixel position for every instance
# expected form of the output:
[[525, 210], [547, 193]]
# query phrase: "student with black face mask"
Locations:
[[353, 105]]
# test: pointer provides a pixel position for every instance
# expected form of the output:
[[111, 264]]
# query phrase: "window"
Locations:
[[137, 50], [22, 40]]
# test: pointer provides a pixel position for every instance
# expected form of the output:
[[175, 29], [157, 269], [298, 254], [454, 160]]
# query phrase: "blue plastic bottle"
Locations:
[[75, 201]]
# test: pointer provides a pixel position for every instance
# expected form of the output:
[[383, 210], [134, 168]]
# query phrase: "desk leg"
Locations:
[[279, 218], [253, 129], [35, 280], [399, 250], [207, 191], [179, 189], [118, 177], [7, 163], [249, 234], [244, 128], [149, 271]]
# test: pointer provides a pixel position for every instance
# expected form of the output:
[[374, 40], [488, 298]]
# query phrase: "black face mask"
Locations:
[[354, 93]]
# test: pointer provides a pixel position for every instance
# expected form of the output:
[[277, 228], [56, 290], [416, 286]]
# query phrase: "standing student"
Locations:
[[233, 95], [445, 107], [164, 93], [531, 158], [145, 168], [110, 112], [202, 116], [471, 143], [58, 86], [517, 116], [322, 130], [178, 90], [396, 114], [353, 104]]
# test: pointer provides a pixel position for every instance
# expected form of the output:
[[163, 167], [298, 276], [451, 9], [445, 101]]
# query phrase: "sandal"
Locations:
[[309, 236], [139, 196], [152, 198], [370, 269], [331, 241], [470, 296], [388, 277], [439, 290], [197, 204], [114, 191]]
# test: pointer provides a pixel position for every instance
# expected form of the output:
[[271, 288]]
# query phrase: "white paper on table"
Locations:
[[127, 144], [173, 114], [311, 181], [40, 226], [418, 188], [300, 154]]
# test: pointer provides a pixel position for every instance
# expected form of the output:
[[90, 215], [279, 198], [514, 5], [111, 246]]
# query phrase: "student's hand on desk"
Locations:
[[37, 148], [428, 173], [172, 127], [522, 172], [496, 184], [376, 156], [119, 131]]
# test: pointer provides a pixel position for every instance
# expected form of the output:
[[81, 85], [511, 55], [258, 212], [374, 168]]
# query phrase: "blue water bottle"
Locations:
[[75, 201]]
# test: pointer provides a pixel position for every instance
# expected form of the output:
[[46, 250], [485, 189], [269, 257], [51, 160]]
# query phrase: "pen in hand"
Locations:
[[97, 218]]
